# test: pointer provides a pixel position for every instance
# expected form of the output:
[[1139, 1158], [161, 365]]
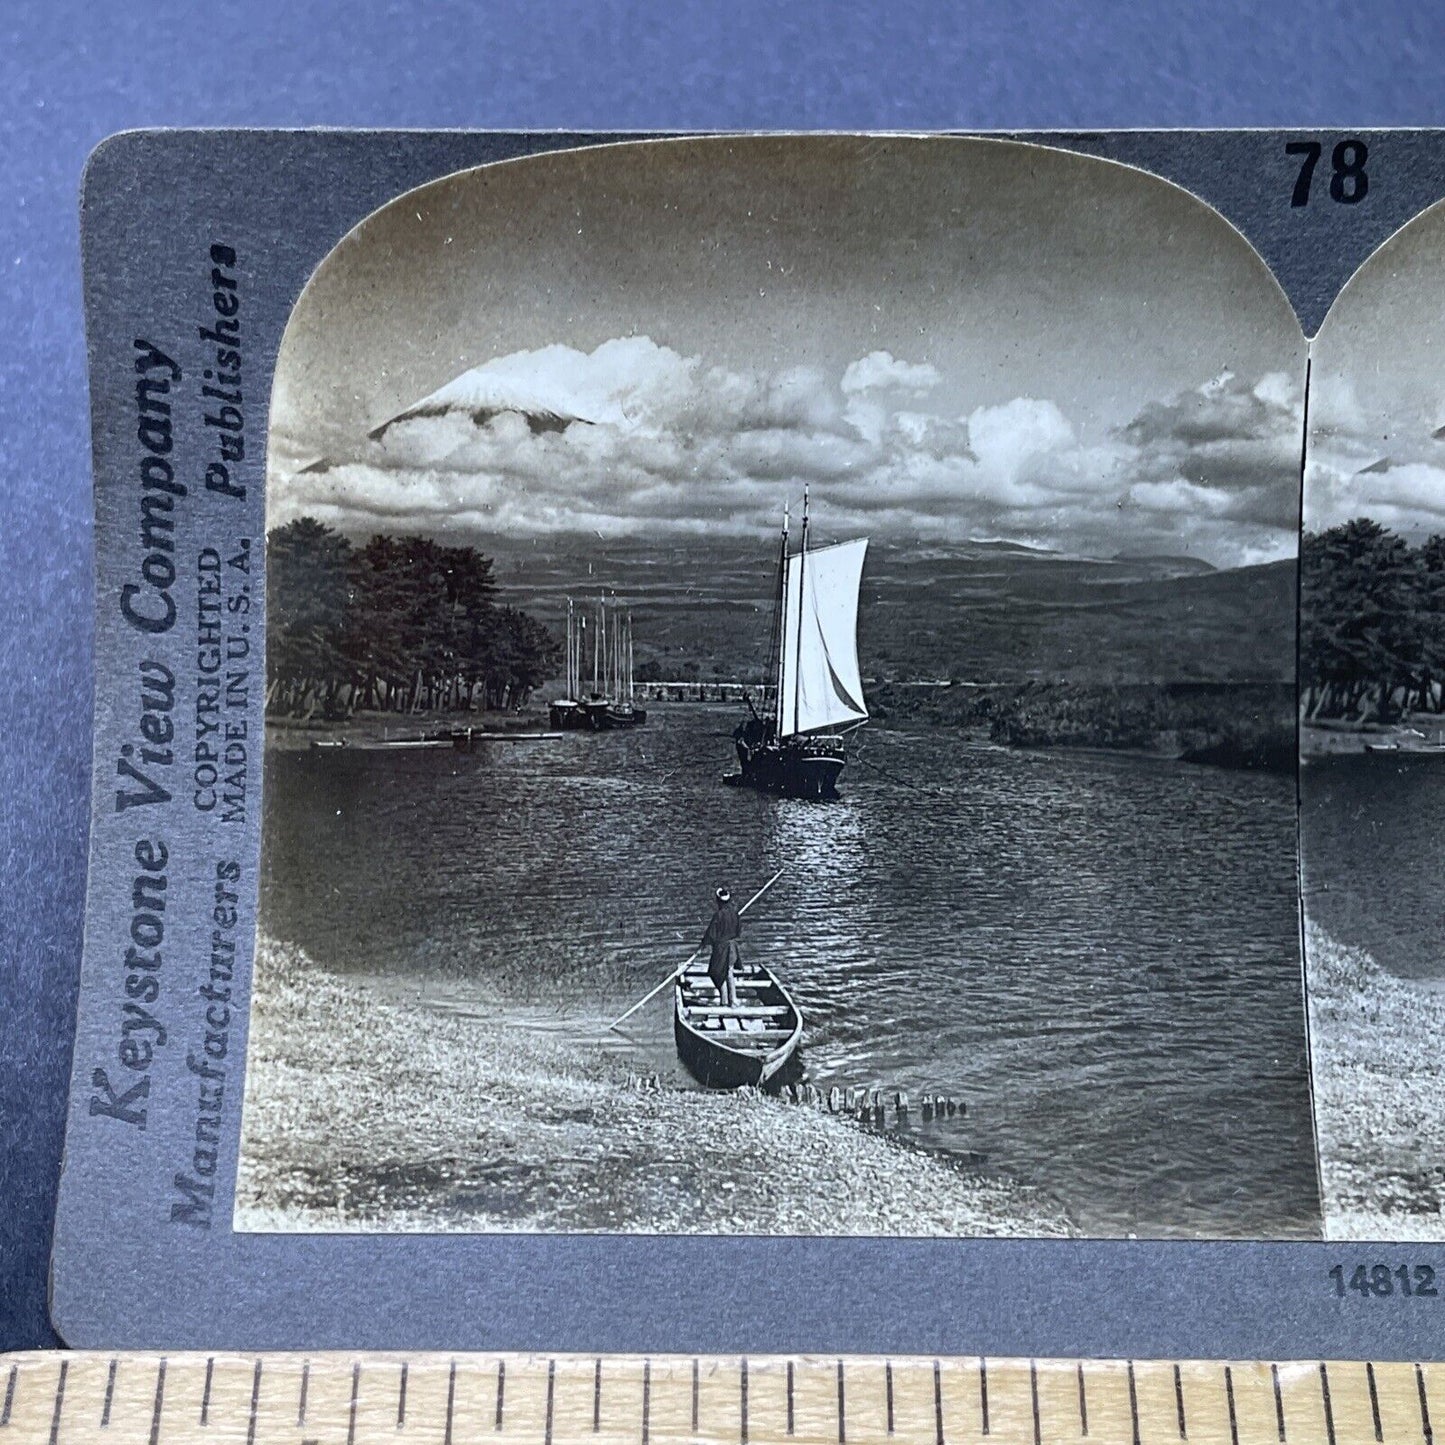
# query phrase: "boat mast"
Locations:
[[616, 689], [630, 684], [597, 638], [798, 660], [782, 627]]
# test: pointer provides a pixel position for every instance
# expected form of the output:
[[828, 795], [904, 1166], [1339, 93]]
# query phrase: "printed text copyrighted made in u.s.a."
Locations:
[[160, 994]]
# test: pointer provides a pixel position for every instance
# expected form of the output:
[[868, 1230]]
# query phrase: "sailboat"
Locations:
[[566, 712], [795, 745], [612, 703]]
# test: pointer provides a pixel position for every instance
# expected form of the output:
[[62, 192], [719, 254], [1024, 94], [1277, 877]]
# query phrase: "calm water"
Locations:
[[1374, 856], [1098, 953]]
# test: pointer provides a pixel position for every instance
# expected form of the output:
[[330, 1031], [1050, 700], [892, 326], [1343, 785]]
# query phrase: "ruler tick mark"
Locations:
[[451, 1401], [938, 1405], [1233, 1416], [355, 1393], [743, 1402], [982, 1396], [551, 1402], [1083, 1402], [1424, 1407], [301, 1400], [887, 1390], [1374, 1401], [501, 1390], [401, 1398], [842, 1409], [1034, 1398], [1179, 1403], [646, 1399], [205, 1393], [1278, 1400], [790, 1397], [9, 1395], [159, 1401], [694, 1391], [110, 1395], [597, 1396], [1133, 1404], [255, 1402], [59, 1402], [1325, 1396]]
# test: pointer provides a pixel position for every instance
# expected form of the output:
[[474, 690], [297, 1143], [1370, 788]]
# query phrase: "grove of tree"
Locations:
[[1372, 624], [402, 624]]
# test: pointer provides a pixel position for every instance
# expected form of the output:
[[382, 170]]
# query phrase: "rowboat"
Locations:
[[726, 1048]]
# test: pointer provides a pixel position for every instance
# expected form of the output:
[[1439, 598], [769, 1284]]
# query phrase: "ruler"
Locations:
[[337, 1399]]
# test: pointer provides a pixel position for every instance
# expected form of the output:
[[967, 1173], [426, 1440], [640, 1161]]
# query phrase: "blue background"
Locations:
[[74, 73]]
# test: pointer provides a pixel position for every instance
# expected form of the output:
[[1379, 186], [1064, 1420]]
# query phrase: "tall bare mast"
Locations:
[[630, 681], [782, 627], [802, 594]]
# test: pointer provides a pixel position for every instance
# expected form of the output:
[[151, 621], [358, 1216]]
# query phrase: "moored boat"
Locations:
[[749, 1044], [612, 701]]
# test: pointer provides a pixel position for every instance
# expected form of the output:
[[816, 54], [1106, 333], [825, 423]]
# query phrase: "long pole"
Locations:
[[653, 994]]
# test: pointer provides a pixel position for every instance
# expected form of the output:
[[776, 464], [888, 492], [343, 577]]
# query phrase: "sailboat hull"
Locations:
[[795, 768], [567, 716], [603, 716]]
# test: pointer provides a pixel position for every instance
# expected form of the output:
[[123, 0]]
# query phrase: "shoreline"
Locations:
[[296, 735], [1337, 739], [1379, 1088], [1179, 723], [472, 1126]]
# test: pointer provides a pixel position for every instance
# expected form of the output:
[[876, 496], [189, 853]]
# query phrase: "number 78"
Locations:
[[1348, 183]]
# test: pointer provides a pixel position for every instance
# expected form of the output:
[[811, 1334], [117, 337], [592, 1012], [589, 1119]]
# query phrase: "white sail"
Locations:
[[819, 686]]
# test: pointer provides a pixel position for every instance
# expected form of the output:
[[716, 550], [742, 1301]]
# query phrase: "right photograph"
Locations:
[[1372, 741]]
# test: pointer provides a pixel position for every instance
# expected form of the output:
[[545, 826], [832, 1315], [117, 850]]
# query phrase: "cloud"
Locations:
[[634, 437], [880, 369], [1364, 465]]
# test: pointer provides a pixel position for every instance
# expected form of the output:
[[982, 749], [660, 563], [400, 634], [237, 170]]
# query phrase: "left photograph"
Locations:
[[780, 708]]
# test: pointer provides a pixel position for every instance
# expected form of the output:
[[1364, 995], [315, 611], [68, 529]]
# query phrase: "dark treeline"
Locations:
[[1372, 624], [1236, 725], [402, 624]]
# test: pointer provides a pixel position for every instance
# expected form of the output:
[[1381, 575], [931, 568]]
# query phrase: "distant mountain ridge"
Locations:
[[977, 611]]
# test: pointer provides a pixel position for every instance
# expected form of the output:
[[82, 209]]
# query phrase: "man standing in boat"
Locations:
[[722, 938]]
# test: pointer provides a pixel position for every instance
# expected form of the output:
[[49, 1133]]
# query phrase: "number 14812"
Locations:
[[1381, 1280]]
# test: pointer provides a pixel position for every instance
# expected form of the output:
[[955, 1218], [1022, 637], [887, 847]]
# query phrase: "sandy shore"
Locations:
[[367, 1111], [1379, 1080]]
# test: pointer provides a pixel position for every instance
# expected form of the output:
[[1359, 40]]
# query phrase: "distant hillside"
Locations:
[[981, 612]]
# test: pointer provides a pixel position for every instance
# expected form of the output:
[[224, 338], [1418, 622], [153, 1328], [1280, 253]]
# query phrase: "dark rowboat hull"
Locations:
[[731, 1049]]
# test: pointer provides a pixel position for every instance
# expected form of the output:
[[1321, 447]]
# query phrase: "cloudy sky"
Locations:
[[947, 338], [1377, 395]]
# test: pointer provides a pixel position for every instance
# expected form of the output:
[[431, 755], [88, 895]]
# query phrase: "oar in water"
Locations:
[[621, 1017]]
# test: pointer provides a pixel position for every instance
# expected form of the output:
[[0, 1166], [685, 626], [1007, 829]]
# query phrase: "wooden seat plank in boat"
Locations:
[[743, 1011]]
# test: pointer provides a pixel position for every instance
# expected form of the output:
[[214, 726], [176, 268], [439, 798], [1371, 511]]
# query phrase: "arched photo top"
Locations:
[[955, 338], [1377, 396]]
